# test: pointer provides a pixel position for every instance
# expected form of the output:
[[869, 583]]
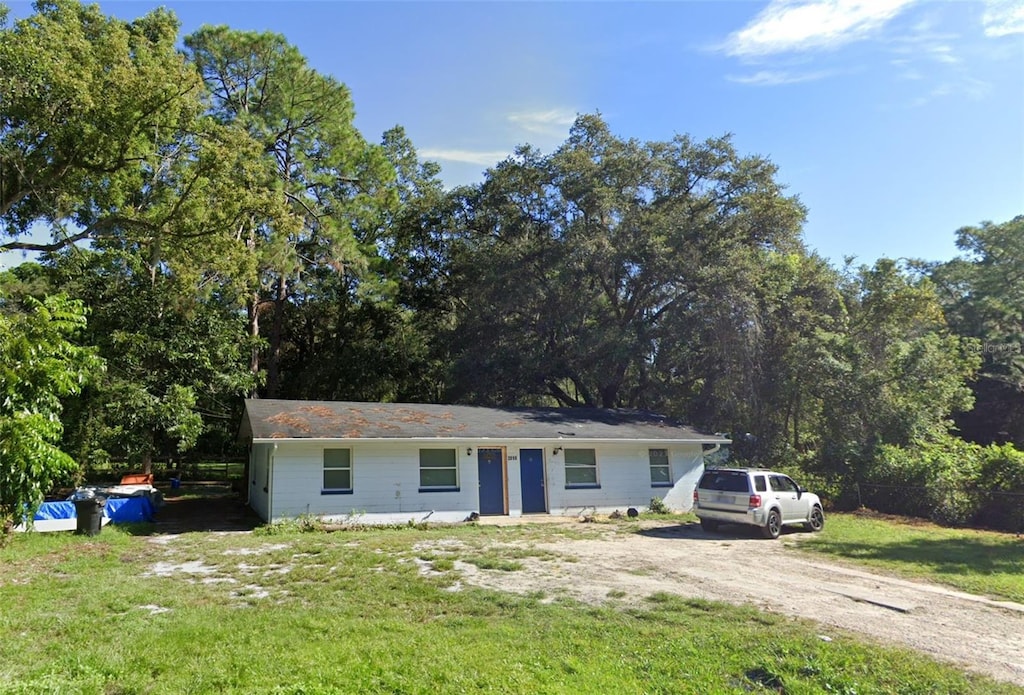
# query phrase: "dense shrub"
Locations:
[[657, 506], [933, 479], [828, 487], [1000, 488], [1002, 468], [949, 481]]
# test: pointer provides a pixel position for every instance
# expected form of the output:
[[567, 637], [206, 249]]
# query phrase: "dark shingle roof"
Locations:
[[283, 419]]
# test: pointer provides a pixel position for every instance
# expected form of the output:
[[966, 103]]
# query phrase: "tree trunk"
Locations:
[[610, 391], [253, 309], [276, 339], [609, 396], [796, 425]]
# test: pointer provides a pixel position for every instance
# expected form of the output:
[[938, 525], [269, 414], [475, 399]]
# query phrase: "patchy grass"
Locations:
[[686, 518], [506, 558], [645, 515], [311, 612], [494, 561], [980, 562], [443, 564]]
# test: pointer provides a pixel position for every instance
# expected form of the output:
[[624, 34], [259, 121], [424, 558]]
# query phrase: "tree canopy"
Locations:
[[94, 111], [228, 231], [39, 365], [983, 295], [584, 260]]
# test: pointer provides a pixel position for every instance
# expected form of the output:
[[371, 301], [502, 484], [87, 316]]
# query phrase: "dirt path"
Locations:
[[974, 632]]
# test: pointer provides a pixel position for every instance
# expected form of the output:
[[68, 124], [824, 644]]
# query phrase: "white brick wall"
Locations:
[[385, 480], [624, 475], [259, 479]]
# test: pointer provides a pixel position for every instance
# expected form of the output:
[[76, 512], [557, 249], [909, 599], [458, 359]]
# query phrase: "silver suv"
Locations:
[[756, 497]]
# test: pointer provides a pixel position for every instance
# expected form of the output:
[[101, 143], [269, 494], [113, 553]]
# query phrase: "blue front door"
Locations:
[[492, 481], [531, 471]]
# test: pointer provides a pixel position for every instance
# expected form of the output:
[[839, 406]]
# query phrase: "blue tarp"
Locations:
[[117, 509], [56, 510], [128, 509]]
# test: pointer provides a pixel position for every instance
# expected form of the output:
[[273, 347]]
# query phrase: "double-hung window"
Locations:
[[337, 471], [580, 468], [439, 470], [661, 471]]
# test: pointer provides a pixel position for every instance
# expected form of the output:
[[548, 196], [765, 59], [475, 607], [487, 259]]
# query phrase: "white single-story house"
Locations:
[[395, 462]]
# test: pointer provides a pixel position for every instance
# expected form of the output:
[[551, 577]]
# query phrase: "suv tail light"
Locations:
[[755, 501]]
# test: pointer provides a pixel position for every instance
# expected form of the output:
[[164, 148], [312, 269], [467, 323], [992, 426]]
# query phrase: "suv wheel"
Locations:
[[817, 520], [773, 527], [709, 525]]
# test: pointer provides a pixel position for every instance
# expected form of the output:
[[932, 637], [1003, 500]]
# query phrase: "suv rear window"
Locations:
[[726, 481]]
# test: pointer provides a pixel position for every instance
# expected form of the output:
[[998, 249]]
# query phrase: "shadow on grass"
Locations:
[[141, 528], [951, 556], [198, 507], [725, 532]]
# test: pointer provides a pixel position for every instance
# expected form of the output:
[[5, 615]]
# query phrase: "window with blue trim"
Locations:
[[661, 471], [438, 470], [580, 468], [337, 471]]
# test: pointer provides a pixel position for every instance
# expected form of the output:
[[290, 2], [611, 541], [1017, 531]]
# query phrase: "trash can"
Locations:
[[89, 509]]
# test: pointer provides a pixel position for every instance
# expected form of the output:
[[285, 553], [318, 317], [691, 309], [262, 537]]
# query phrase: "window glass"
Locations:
[[438, 468], [661, 471], [725, 481], [580, 467], [337, 469], [760, 484], [782, 484]]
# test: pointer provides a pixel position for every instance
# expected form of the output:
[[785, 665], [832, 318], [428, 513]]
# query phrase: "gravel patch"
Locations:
[[974, 632]]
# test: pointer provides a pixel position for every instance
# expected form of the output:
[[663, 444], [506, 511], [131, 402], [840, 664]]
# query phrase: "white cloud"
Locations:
[[801, 25], [552, 121], [954, 88], [1003, 17], [905, 69], [483, 158], [772, 78], [943, 54], [542, 127]]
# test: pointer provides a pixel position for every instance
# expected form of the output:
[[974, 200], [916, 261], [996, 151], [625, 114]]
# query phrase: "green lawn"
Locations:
[[294, 612], [980, 562]]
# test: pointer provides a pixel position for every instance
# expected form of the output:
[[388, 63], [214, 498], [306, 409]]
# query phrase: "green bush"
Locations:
[[657, 506], [949, 481], [1002, 468], [304, 523], [1000, 488], [932, 479], [828, 487]]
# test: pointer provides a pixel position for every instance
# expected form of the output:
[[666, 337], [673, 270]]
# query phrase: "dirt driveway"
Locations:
[[976, 633]]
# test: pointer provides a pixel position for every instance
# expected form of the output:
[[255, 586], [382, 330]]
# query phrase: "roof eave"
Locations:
[[497, 440]]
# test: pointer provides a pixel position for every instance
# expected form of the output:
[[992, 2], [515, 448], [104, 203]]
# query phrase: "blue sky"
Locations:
[[895, 121]]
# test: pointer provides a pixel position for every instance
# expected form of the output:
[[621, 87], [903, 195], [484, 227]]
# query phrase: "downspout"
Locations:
[[704, 454], [249, 481], [709, 451], [270, 486]]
